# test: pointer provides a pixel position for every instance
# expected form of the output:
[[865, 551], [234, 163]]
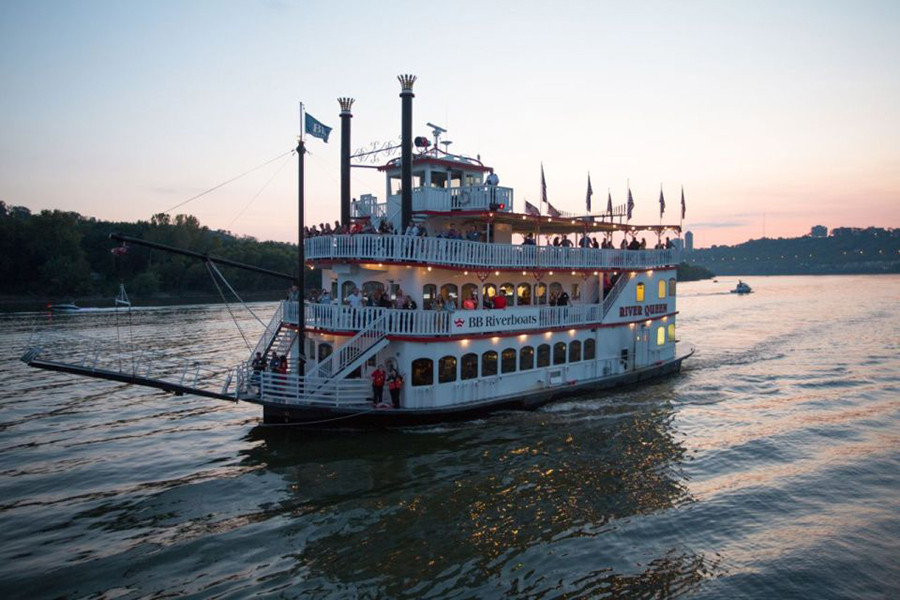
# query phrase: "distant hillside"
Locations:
[[687, 272], [846, 250], [64, 254]]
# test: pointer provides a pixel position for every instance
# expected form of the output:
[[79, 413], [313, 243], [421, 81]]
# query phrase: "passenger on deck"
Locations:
[[470, 303], [624, 244], [669, 244], [585, 241], [409, 303], [529, 240], [634, 244], [395, 384], [499, 301], [378, 376], [325, 298], [274, 363], [259, 363], [385, 301], [566, 242], [355, 299], [643, 243], [473, 235], [563, 299], [556, 241]]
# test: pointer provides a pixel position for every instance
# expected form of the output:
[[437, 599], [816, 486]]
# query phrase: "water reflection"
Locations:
[[488, 503]]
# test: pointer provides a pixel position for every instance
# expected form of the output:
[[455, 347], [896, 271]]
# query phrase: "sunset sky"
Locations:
[[119, 110]]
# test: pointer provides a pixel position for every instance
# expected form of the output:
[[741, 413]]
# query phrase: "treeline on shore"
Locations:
[[688, 272], [64, 254], [845, 251]]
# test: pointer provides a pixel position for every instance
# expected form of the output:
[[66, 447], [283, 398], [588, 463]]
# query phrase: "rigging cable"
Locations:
[[256, 195], [211, 264], [228, 306], [224, 183]]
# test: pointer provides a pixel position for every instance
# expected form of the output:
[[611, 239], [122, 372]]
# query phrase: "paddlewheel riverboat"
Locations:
[[498, 322]]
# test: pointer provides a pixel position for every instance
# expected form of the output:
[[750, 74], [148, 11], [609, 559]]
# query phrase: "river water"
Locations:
[[770, 468]]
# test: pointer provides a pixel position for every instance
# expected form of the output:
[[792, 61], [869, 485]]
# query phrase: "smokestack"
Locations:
[[346, 115], [406, 95]]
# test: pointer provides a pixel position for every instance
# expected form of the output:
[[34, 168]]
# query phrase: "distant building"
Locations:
[[818, 231], [689, 241]]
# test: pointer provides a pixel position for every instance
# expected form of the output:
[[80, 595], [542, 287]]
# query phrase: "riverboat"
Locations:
[[464, 301]]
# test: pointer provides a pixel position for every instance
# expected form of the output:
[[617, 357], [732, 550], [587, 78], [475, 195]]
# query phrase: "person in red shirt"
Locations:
[[499, 301], [378, 377], [395, 384]]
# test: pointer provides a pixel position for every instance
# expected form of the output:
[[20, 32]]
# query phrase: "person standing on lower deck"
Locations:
[[395, 384], [378, 376]]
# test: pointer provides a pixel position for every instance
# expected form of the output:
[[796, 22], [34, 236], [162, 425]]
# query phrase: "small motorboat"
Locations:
[[64, 308], [742, 288]]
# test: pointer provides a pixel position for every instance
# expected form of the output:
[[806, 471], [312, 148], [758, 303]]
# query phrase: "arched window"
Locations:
[[590, 349], [449, 291], [488, 291], [489, 363], [422, 371], [575, 351], [660, 335], [639, 292], [469, 292], [555, 289], [508, 290], [447, 369], [325, 351], [468, 366], [559, 353], [429, 295], [370, 287], [523, 294], [508, 361], [576, 292], [540, 293], [346, 290], [662, 288], [543, 355], [526, 358], [672, 286], [671, 332]]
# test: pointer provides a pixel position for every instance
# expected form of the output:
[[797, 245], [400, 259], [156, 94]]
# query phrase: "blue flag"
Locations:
[[316, 129]]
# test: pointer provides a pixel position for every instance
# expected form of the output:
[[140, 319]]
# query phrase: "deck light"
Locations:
[[648, 322], [523, 337], [379, 264], [550, 273], [464, 343], [429, 268], [595, 272], [465, 272], [573, 272], [495, 339], [547, 335], [497, 273], [631, 325], [571, 332], [650, 272], [523, 272]]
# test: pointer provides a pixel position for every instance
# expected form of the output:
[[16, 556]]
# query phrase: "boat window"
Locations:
[[660, 335], [555, 291], [543, 355], [422, 371], [540, 293], [526, 358], [576, 292], [575, 351], [508, 361], [590, 349], [447, 369], [429, 293], [559, 353], [508, 290], [470, 293], [489, 363], [672, 286], [671, 332], [449, 291], [523, 294], [639, 292], [346, 290], [324, 351], [370, 287], [489, 291], [468, 367], [662, 288]]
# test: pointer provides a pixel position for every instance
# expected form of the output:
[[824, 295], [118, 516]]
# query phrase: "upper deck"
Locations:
[[464, 254]]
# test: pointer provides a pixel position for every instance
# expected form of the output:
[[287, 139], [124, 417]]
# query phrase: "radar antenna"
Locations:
[[436, 130]]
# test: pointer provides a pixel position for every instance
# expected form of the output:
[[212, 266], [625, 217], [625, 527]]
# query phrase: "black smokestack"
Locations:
[[406, 95], [346, 115]]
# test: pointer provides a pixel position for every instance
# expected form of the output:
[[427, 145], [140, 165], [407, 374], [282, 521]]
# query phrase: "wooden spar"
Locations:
[[204, 257]]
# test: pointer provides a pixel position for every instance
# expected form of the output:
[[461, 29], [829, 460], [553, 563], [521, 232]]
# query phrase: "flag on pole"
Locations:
[[590, 192], [543, 186], [531, 209], [552, 211], [630, 204], [682, 203], [662, 203], [316, 128], [609, 202]]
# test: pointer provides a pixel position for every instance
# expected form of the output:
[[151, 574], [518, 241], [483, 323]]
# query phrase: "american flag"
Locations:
[[543, 186], [630, 204], [662, 203], [590, 192], [682, 203], [531, 209]]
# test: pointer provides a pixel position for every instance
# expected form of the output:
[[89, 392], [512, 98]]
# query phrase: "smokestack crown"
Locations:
[[406, 82], [346, 104]]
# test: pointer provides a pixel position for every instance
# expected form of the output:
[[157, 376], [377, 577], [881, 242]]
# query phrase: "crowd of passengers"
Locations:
[[473, 235], [402, 301]]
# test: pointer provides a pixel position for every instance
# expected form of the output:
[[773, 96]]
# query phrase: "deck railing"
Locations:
[[480, 255], [470, 197], [288, 388]]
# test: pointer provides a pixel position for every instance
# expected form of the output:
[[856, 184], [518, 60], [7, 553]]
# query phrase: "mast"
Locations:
[[301, 260]]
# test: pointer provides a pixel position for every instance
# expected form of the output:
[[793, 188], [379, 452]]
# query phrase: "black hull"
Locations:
[[329, 417]]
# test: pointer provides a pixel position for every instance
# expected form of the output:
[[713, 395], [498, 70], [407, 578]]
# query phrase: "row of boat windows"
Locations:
[[522, 294], [491, 363]]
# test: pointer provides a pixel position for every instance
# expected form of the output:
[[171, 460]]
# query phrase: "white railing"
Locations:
[[613, 295], [352, 350], [470, 197], [419, 322], [291, 389], [480, 255], [265, 340]]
